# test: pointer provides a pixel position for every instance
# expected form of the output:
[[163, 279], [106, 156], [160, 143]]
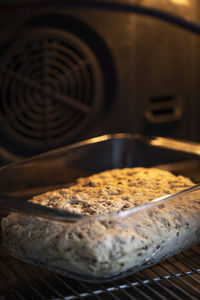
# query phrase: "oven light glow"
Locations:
[[181, 2]]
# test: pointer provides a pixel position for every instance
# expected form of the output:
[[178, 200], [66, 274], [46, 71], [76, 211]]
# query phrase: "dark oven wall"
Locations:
[[67, 74]]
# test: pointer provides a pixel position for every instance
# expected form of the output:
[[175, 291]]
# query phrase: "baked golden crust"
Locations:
[[114, 190]]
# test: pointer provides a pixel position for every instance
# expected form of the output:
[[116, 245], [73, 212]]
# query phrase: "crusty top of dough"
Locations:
[[114, 190]]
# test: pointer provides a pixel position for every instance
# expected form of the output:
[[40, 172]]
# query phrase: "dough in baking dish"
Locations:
[[107, 244]]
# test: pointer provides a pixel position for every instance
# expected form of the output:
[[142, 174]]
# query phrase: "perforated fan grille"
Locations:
[[50, 87]]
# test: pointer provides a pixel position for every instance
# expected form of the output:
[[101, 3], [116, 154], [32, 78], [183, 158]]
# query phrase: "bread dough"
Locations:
[[106, 243]]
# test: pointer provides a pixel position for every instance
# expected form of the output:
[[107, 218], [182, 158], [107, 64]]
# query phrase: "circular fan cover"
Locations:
[[50, 88]]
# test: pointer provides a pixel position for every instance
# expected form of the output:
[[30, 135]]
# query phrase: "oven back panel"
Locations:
[[67, 74]]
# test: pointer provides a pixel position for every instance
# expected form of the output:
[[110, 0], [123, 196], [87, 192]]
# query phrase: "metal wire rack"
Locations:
[[175, 278]]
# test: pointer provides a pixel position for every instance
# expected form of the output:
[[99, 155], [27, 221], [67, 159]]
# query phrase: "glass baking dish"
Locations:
[[127, 241]]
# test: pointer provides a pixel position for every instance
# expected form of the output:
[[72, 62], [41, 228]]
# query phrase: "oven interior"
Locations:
[[67, 74]]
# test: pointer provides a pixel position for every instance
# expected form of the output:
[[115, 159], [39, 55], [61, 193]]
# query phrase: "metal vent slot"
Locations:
[[162, 109]]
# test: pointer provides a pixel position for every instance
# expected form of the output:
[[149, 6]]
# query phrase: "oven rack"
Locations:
[[176, 278]]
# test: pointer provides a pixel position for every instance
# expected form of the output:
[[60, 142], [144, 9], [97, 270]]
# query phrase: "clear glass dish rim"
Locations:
[[162, 142]]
